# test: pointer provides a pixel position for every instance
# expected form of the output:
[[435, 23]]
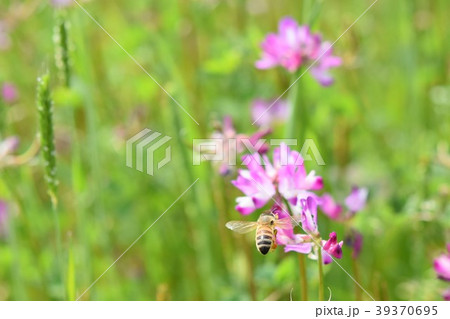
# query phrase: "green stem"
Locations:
[[314, 13], [358, 292], [17, 292], [204, 265], [45, 109], [251, 267], [303, 277], [2, 119], [59, 264], [320, 264], [306, 8], [302, 265], [70, 272], [294, 108]]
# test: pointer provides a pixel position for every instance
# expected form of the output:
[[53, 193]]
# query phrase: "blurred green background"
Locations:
[[384, 124]]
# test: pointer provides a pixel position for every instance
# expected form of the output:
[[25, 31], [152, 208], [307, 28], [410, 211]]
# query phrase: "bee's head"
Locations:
[[267, 218]]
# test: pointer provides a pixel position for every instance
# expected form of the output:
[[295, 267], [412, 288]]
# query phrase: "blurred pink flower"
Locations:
[[328, 205], [61, 3], [227, 143], [286, 174], [295, 46], [355, 202], [265, 113], [355, 241], [357, 199], [320, 70], [446, 295], [9, 92], [3, 218], [442, 265]]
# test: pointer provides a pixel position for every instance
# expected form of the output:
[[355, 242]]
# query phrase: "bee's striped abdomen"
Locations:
[[264, 239]]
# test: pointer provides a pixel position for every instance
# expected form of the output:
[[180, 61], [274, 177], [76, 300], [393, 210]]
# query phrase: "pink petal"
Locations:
[[288, 29], [61, 3], [332, 247], [303, 248], [9, 92], [245, 205], [356, 201], [446, 295], [313, 182], [442, 267], [330, 207], [309, 215], [264, 113], [326, 258], [322, 76], [266, 62]]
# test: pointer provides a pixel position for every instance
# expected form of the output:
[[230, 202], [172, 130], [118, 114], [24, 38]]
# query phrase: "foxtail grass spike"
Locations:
[[45, 108], [62, 56]]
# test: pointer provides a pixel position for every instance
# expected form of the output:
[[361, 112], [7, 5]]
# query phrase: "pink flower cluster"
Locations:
[[295, 46], [286, 183], [305, 243], [285, 175], [354, 202], [265, 113]]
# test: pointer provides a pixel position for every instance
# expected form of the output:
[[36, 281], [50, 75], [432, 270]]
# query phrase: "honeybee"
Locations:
[[265, 230]]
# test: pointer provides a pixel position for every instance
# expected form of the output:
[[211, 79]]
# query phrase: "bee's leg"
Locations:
[[274, 242]]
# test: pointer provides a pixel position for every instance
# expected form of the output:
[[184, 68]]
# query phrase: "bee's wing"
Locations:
[[241, 227], [284, 223]]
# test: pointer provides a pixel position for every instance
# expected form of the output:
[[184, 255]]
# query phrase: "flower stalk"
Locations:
[[45, 109], [320, 268], [62, 58], [301, 264], [294, 108], [303, 277], [358, 292]]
